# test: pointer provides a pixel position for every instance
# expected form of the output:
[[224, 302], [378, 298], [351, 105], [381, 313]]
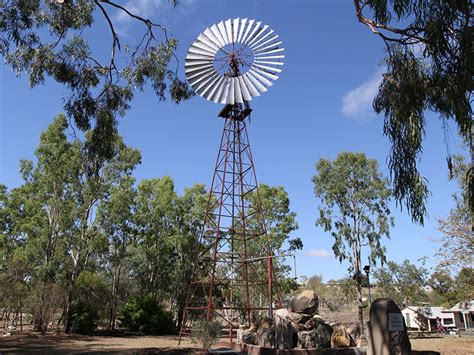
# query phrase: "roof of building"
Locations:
[[463, 307], [435, 312]]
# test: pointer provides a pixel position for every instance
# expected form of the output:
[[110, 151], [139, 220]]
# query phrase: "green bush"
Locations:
[[144, 314], [206, 333], [86, 317]]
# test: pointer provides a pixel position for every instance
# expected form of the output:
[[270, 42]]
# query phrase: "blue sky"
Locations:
[[320, 106]]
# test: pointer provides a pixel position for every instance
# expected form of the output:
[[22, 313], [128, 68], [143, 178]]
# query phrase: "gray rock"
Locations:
[[313, 322], [249, 337], [265, 322], [299, 317], [285, 332], [317, 338], [341, 338], [266, 337], [384, 338], [354, 331], [306, 302]]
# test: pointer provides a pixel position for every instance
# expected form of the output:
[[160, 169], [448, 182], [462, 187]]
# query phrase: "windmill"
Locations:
[[229, 63]]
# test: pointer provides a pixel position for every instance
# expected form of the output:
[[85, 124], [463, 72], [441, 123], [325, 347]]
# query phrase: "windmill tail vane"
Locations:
[[233, 278]]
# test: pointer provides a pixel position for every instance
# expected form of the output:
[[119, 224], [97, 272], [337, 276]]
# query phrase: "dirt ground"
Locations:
[[29, 342], [62, 343], [447, 345]]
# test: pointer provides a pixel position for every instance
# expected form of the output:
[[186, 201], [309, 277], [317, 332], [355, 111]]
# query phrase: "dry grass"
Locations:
[[447, 345]]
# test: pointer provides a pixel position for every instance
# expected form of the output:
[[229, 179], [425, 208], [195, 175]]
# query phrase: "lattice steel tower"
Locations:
[[232, 279]]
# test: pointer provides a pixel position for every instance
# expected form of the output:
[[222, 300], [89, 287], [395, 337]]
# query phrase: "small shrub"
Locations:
[[144, 314], [206, 333], [86, 317]]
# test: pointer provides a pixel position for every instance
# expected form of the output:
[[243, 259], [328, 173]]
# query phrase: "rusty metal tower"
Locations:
[[232, 279]]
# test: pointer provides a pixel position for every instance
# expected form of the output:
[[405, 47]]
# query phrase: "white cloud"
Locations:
[[318, 253], [149, 9], [358, 102]]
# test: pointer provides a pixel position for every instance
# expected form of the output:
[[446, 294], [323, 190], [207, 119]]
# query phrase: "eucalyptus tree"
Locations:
[[456, 248], [51, 38], [429, 46], [280, 223], [87, 189], [189, 220], [43, 212], [155, 216], [115, 219], [354, 198]]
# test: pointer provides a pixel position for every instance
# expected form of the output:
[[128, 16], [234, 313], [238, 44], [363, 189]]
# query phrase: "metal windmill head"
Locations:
[[233, 61]]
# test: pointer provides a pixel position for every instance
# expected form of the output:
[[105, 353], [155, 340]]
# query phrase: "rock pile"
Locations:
[[300, 326]]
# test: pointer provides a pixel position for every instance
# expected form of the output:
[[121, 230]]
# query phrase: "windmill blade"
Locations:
[[196, 50], [268, 62], [225, 90], [267, 48], [218, 35], [245, 91], [281, 56], [255, 81], [259, 33], [260, 78], [214, 94], [252, 33], [261, 38], [211, 37], [237, 91], [222, 31], [242, 27], [201, 45], [231, 93], [265, 73], [251, 87], [254, 47], [249, 27], [267, 68], [228, 30]]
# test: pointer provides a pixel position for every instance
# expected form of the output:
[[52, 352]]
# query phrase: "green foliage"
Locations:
[[143, 313], [44, 38], [86, 317], [443, 289], [429, 46], [404, 283], [206, 333], [457, 239]]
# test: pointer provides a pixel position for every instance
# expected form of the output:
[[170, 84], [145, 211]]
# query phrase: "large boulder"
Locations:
[[265, 337], [341, 338], [305, 302], [317, 338]]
